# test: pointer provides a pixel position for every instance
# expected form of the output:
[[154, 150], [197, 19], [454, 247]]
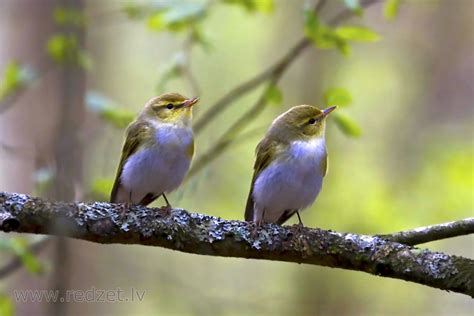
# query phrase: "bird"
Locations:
[[291, 162], [157, 151]]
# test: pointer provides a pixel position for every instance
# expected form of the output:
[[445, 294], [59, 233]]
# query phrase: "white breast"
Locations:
[[291, 182], [160, 168]]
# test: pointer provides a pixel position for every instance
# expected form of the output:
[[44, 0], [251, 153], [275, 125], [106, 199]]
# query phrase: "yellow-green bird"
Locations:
[[157, 152], [290, 165]]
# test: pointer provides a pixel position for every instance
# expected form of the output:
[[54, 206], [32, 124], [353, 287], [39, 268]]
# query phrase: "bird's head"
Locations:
[[170, 108]]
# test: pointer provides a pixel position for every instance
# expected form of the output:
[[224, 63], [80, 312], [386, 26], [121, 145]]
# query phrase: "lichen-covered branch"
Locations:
[[426, 234], [206, 235]]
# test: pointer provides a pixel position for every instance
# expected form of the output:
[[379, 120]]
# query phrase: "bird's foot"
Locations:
[[166, 209]]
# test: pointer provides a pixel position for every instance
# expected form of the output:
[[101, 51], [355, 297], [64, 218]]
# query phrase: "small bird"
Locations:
[[290, 165], [157, 152]]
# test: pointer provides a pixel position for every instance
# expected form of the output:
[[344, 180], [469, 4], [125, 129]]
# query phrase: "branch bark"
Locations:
[[206, 235]]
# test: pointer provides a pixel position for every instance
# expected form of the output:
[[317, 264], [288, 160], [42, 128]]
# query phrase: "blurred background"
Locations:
[[400, 148]]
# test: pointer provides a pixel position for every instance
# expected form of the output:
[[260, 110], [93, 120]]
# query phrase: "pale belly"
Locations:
[[158, 169], [289, 184]]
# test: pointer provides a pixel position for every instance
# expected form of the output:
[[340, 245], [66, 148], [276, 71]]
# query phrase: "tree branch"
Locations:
[[431, 233], [206, 235]]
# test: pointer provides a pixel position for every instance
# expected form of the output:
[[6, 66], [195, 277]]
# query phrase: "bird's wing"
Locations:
[[266, 153], [136, 133], [324, 164]]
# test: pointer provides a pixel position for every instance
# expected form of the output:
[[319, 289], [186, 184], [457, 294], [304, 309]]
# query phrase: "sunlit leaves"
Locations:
[[7, 308], [325, 37], [357, 34], [15, 76], [20, 247], [108, 110], [391, 9], [273, 95], [68, 16], [337, 96], [263, 6], [64, 49], [174, 16]]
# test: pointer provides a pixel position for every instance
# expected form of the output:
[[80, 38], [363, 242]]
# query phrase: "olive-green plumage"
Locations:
[[157, 150], [291, 161]]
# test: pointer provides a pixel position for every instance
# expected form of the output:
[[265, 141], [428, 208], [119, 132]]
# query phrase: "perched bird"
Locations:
[[157, 151], [290, 165]]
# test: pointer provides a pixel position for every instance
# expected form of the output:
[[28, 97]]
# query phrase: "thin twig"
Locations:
[[431, 233]]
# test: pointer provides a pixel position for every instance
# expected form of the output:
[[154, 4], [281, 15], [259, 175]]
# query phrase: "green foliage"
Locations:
[[263, 6], [67, 16], [14, 77], [7, 308], [337, 96], [273, 95], [391, 9], [64, 49], [108, 110], [346, 124], [100, 188], [325, 37], [357, 34], [20, 247]]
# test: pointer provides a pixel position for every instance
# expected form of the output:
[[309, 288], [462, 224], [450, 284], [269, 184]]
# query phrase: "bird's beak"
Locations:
[[190, 102], [329, 110]]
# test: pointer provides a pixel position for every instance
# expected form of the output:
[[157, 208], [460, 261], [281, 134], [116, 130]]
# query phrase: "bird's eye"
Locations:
[[169, 106], [312, 121]]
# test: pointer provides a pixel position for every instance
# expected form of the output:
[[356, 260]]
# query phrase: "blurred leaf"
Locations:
[[15, 77], [108, 110], [101, 188], [357, 34], [68, 16], [354, 5], [274, 95], [7, 308], [21, 248], [391, 9], [346, 124], [64, 49], [323, 36], [176, 16], [134, 11], [263, 6], [337, 96]]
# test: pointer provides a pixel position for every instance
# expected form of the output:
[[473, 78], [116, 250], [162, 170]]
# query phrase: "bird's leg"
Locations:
[[300, 224], [168, 207], [258, 223], [126, 205]]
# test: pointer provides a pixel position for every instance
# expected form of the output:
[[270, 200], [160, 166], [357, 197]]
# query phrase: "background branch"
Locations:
[[273, 75], [430, 233], [206, 235]]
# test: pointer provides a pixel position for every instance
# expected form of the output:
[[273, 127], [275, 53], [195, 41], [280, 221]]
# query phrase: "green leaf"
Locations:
[[7, 308], [21, 248], [64, 49], [156, 22], [108, 110], [15, 76], [357, 34], [346, 124], [337, 96], [262, 6], [274, 95], [68, 16], [391, 9], [101, 188]]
